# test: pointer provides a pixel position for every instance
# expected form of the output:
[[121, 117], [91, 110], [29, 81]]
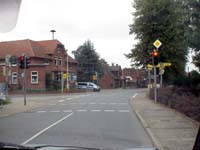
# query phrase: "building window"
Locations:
[[14, 77], [34, 77], [58, 61]]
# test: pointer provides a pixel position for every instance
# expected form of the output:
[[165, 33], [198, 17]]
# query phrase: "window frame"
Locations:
[[37, 75]]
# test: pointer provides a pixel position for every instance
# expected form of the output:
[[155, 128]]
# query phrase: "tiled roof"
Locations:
[[49, 45], [19, 47], [31, 48]]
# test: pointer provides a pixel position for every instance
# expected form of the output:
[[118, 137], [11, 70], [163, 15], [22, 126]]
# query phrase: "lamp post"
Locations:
[[53, 31]]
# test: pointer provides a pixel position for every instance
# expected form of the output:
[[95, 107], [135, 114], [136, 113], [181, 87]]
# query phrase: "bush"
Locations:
[[181, 99]]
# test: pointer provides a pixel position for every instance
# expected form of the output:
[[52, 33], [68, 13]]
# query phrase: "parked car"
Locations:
[[88, 86]]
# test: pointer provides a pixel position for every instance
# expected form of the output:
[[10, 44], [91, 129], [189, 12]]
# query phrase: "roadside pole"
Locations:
[[67, 73], [24, 81], [61, 75], [155, 83]]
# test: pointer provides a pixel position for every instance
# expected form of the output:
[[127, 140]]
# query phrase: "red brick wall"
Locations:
[[106, 82]]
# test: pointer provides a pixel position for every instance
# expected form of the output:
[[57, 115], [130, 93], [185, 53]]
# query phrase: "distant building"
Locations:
[[111, 77], [48, 61], [134, 77]]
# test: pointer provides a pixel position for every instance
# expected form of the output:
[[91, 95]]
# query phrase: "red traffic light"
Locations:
[[21, 58], [155, 54]]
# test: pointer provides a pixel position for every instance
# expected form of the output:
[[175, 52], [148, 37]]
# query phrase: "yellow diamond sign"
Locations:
[[157, 43]]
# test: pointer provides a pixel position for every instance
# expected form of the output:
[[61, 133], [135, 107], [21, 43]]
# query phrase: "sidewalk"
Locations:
[[168, 129], [17, 106]]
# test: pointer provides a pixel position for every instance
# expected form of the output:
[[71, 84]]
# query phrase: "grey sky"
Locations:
[[104, 22]]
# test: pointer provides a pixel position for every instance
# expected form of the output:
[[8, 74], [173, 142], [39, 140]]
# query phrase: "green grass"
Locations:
[[7, 101]]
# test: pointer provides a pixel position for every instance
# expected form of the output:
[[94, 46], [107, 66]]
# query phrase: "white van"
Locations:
[[88, 86]]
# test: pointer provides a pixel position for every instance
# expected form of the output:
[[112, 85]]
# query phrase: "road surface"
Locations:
[[100, 120]]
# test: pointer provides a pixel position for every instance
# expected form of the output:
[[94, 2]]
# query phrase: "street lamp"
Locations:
[[67, 71], [53, 31]]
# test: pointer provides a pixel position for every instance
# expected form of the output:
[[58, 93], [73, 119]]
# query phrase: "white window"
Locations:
[[58, 61], [14, 77], [34, 77]]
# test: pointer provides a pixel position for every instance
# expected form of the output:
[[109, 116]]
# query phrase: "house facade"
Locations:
[[111, 77], [48, 61]]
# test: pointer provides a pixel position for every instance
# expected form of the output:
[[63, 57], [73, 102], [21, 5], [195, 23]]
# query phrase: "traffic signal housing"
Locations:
[[27, 62], [22, 62], [155, 57]]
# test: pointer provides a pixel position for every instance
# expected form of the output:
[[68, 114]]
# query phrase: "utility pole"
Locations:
[[62, 81]]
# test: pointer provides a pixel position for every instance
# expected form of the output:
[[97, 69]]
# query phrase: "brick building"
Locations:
[[111, 77], [48, 61], [134, 77]]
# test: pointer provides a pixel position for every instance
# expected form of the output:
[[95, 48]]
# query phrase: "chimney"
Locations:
[[112, 64]]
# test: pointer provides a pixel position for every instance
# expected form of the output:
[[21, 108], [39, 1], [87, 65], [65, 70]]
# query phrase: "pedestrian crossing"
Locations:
[[85, 110]]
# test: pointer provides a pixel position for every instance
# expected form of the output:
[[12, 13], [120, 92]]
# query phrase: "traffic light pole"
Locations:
[[155, 82], [24, 80]]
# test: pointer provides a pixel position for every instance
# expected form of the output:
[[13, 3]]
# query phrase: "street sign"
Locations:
[[94, 77], [161, 71], [157, 43], [160, 65], [65, 75]]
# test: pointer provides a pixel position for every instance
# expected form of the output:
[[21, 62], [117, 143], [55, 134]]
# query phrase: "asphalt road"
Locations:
[[100, 120]]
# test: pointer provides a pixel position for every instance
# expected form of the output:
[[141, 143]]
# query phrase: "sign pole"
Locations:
[[155, 84], [24, 81]]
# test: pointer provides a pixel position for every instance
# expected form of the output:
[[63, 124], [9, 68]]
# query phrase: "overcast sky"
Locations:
[[104, 22]]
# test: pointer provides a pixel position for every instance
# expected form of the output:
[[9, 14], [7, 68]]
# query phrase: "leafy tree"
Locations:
[[194, 9], [88, 62], [165, 20]]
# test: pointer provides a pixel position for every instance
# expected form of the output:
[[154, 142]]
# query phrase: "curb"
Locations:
[[156, 143]]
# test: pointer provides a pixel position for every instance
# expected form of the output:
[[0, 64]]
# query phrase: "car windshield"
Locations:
[[100, 74]]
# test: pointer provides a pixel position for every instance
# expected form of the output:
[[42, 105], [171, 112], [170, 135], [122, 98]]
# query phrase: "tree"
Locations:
[[194, 8], [164, 20], [88, 62]]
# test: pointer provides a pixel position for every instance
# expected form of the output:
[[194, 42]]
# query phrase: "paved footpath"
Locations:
[[168, 129]]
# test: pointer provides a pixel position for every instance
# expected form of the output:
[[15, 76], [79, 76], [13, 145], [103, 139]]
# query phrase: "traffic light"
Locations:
[[22, 62], [155, 57], [27, 62]]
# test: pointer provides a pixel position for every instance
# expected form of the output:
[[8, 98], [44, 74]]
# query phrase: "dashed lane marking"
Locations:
[[95, 110], [56, 111], [81, 110], [60, 101], [41, 111], [109, 110], [67, 111]]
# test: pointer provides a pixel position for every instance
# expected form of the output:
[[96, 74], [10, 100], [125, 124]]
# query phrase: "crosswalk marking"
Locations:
[[84, 110], [109, 110]]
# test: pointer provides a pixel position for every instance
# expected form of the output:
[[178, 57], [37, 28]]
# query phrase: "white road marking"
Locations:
[[95, 110], [56, 111], [123, 110], [135, 95], [41, 111], [47, 128], [67, 110], [63, 104], [60, 101], [82, 110], [109, 110], [69, 98]]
